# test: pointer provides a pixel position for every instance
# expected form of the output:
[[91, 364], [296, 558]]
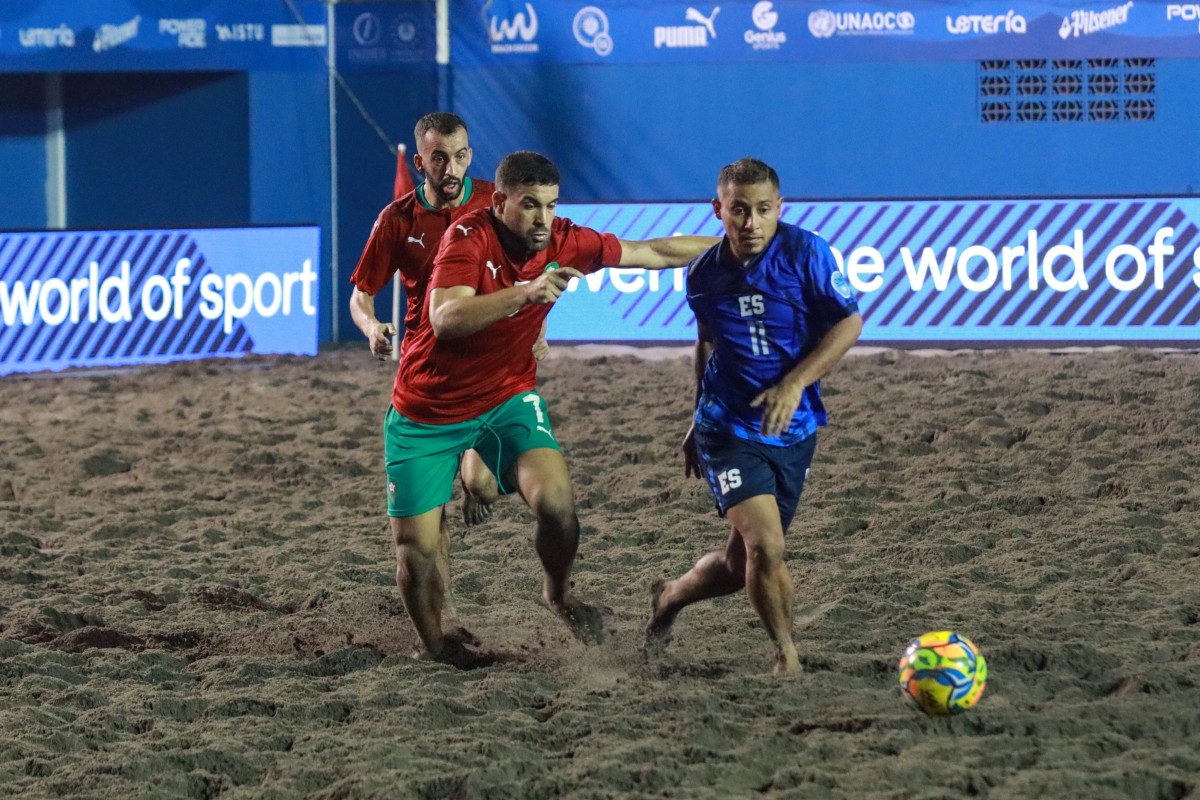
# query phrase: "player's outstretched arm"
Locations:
[[664, 252], [379, 334], [457, 311]]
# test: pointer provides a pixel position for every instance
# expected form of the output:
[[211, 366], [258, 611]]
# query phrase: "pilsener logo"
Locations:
[[688, 35], [1083, 22], [504, 32]]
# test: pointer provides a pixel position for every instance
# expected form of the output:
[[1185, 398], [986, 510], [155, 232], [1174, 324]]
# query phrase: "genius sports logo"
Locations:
[[825, 24], [698, 34], [765, 18], [511, 32], [1084, 23]]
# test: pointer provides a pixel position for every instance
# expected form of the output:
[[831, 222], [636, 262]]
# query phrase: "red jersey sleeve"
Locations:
[[587, 250], [375, 266]]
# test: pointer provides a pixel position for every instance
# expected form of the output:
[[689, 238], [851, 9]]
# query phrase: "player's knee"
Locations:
[[555, 503], [765, 553], [417, 535], [481, 486]]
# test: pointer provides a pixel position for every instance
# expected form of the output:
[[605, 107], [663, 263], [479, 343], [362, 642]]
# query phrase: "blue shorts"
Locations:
[[739, 469]]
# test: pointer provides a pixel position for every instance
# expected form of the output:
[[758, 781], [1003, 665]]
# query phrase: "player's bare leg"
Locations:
[[546, 486], [716, 574], [768, 583], [443, 564], [479, 487], [418, 542]]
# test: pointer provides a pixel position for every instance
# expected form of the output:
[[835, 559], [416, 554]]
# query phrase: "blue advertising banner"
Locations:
[[147, 35], [933, 272], [377, 36], [486, 32], [90, 298]]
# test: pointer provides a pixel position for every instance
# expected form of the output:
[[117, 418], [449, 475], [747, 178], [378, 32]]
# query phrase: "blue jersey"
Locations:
[[764, 319]]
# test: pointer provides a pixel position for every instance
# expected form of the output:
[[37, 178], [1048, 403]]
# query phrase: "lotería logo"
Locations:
[[514, 34], [1012, 22], [1083, 22], [190, 33], [62, 36], [765, 18], [110, 36], [824, 23], [366, 29], [688, 35], [1188, 13], [591, 30]]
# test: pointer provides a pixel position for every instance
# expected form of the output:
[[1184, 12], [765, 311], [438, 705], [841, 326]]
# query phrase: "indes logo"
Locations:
[[591, 30], [1083, 23], [964, 24], [188, 33], [688, 35], [514, 34], [62, 36], [110, 36], [823, 23], [366, 29], [765, 18], [1188, 13]]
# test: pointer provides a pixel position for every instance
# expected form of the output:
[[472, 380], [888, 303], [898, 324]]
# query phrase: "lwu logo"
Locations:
[[515, 32]]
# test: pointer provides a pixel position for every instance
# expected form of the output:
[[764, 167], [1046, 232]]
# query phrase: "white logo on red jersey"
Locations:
[[420, 241], [493, 268], [464, 230]]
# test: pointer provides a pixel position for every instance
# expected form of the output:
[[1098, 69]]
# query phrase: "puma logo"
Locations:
[[464, 230], [420, 241], [493, 268], [546, 431], [693, 15]]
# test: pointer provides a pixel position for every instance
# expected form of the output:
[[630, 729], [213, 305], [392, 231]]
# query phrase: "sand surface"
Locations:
[[197, 596]]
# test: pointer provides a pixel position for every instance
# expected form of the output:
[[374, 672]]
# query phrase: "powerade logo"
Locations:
[[765, 18], [824, 24], [697, 35], [513, 34], [1083, 23], [966, 24], [188, 33], [1187, 13]]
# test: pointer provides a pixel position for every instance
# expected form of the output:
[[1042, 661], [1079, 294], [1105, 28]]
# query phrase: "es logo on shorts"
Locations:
[[729, 479]]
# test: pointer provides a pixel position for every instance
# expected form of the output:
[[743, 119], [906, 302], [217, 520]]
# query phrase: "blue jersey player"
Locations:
[[773, 314]]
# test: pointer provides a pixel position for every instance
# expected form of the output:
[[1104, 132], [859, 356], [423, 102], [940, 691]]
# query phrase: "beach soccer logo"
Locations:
[[512, 32], [591, 30]]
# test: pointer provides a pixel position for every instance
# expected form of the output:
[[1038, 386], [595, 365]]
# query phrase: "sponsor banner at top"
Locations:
[[485, 32], [381, 36], [129, 35]]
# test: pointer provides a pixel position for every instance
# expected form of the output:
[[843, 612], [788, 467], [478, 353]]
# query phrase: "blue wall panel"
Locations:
[[156, 150], [832, 130], [22, 152]]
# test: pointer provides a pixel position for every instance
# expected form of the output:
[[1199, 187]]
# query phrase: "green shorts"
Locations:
[[421, 459]]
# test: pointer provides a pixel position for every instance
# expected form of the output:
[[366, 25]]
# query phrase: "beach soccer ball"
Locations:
[[942, 673]]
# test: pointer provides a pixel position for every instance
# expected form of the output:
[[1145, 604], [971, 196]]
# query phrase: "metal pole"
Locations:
[[56, 154], [335, 329]]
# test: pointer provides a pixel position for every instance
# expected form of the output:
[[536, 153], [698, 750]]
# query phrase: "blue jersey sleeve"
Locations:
[[828, 292]]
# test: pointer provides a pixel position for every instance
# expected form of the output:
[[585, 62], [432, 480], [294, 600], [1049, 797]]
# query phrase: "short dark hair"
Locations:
[[443, 122], [747, 171], [525, 168]]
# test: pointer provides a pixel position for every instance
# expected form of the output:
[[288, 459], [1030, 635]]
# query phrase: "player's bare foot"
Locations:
[[585, 621], [658, 631], [474, 511], [453, 650], [786, 661]]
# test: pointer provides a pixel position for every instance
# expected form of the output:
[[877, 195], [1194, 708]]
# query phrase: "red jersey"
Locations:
[[454, 380], [405, 239]]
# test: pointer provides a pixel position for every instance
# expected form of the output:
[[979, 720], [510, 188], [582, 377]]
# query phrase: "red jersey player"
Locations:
[[467, 380]]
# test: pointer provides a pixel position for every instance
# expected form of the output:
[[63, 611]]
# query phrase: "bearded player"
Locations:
[[468, 381]]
